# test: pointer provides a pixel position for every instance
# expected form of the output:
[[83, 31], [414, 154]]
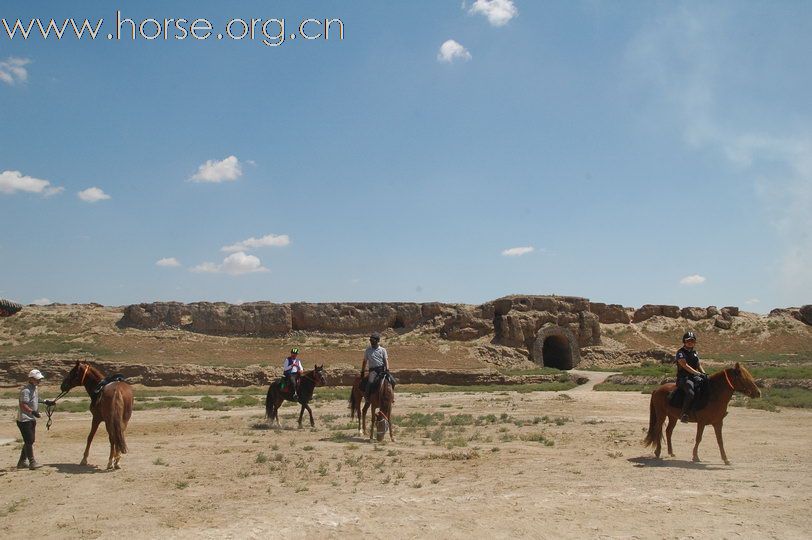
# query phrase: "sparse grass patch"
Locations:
[[539, 438], [420, 419], [160, 461], [261, 458]]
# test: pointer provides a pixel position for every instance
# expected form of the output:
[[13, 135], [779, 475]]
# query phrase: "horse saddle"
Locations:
[[677, 397], [379, 379], [118, 377]]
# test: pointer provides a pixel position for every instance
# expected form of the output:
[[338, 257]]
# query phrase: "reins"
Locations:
[[49, 409]]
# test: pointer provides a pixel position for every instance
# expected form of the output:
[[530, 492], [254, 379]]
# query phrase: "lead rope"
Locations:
[[49, 410]]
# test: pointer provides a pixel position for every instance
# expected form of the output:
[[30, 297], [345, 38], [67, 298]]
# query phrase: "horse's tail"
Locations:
[[655, 429], [117, 421]]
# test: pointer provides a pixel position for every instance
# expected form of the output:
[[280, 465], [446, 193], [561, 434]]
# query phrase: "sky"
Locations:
[[627, 152]]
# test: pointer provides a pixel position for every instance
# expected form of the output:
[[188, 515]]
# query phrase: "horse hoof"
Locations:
[[727, 462], [83, 463], [672, 454], [117, 466], [696, 460]]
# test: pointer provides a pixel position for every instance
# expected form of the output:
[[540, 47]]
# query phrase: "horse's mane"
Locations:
[[93, 370], [738, 370]]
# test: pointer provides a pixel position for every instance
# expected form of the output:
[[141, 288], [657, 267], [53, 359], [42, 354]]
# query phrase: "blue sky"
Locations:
[[647, 152]]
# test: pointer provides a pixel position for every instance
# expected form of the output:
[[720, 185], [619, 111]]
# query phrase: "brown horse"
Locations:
[[720, 390], [113, 406], [308, 381], [382, 398]]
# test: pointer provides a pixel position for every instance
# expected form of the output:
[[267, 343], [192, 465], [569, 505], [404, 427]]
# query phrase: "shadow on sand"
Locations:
[[650, 461], [75, 468]]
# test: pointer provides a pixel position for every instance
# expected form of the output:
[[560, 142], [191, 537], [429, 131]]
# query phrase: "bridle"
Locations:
[[49, 409], [728, 381], [311, 377]]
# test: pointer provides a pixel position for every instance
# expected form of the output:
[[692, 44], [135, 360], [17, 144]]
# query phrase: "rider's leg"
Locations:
[[370, 381], [688, 388]]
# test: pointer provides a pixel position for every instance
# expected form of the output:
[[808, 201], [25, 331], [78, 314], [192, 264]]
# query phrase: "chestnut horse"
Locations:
[[382, 398], [720, 390], [113, 406], [308, 381]]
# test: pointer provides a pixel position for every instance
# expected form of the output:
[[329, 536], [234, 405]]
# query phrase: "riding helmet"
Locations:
[[294, 350], [688, 335], [376, 336]]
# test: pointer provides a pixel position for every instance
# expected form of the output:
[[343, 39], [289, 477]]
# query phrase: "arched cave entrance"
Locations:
[[556, 347]]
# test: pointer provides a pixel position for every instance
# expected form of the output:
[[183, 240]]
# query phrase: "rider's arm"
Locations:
[[684, 365], [385, 360], [364, 364]]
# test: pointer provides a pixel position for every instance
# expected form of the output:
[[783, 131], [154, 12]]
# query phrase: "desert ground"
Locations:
[[498, 464]]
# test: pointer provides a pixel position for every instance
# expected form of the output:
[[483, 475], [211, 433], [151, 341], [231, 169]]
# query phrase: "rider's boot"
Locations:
[[686, 406]]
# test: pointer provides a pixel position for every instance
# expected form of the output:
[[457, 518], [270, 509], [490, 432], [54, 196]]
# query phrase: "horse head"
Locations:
[[77, 375], [320, 375], [743, 381]]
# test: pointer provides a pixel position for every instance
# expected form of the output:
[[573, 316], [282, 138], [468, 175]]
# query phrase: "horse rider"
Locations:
[[376, 359], [293, 370], [27, 418], [689, 372]]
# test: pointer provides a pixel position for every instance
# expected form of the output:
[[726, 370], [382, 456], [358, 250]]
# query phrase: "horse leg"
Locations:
[[276, 405], [301, 414], [372, 424], [310, 412], [672, 423], [93, 428], [700, 427], [112, 448], [717, 427], [362, 422]]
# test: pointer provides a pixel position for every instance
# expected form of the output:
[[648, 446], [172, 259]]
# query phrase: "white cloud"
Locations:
[[42, 302], [14, 181], [168, 261], [206, 268], [13, 71], [751, 301], [518, 251], [451, 50], [684, 57], [693, 279], [235, 264], [92, 195], [213, 171], [268, 240], [498, 12]]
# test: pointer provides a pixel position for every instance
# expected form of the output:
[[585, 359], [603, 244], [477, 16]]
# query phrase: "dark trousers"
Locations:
[[688, 386], [29, 433]]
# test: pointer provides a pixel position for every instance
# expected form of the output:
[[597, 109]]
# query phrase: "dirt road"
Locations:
[[498, 465]]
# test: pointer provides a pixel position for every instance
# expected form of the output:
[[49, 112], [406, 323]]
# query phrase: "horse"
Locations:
[[308, 381], [720, 388], [382, 398], [113, 406]]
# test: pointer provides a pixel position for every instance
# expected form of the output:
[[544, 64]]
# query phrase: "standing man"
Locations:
[[27, 419], [293, 369], [689, 372], [376, 359]]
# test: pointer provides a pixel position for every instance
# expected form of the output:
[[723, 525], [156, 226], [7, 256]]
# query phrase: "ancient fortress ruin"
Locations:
[[550, 330]]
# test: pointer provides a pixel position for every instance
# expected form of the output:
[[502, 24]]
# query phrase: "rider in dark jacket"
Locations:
[[689, 372]]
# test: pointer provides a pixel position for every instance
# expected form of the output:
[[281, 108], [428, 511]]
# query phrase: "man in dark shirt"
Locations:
[[689, 372]]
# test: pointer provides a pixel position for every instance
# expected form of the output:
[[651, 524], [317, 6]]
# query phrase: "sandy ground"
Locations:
[[218, 474]]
